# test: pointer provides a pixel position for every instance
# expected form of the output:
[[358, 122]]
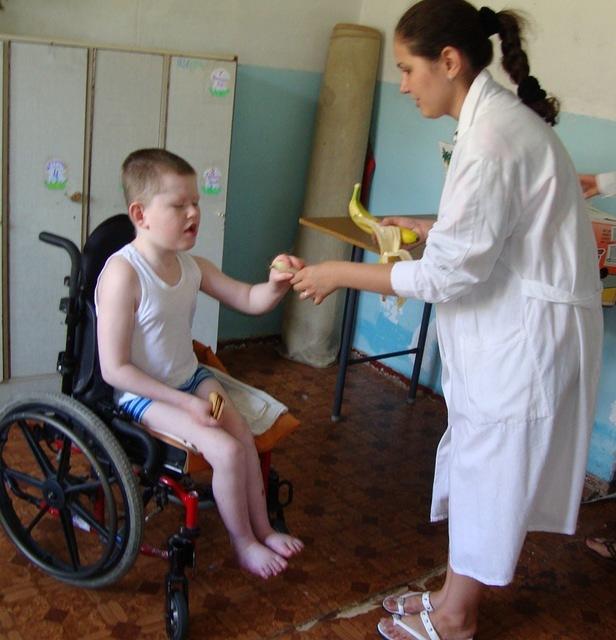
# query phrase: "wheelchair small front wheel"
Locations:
[[69, 499], [177, 615]]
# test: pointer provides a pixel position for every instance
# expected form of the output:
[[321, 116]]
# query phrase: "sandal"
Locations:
[[609, 544], [428, 628], [395, 604]]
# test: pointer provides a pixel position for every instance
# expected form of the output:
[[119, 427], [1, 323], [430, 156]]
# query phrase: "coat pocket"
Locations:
[[501, 382]]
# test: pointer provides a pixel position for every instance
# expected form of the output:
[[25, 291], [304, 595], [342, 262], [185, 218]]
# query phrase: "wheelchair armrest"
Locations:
[[147, 446], [71, 248]]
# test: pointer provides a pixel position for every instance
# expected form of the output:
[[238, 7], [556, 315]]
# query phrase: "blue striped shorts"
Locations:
[[136, 407]]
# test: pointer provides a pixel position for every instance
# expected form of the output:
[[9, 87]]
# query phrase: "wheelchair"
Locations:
[[77, 476]]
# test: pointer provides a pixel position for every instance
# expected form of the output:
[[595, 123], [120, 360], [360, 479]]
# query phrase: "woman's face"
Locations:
[[425, 81]]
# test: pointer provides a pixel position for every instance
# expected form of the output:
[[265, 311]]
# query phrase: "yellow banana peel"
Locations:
[[365, 220]]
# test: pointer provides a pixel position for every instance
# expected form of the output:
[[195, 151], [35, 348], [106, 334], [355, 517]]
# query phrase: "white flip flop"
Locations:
[[401, 599]]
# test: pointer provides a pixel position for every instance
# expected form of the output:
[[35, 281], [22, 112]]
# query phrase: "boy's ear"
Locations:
[[136, 214]]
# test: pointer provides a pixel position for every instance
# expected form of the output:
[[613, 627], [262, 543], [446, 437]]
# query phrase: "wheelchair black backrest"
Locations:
[[88, 384]]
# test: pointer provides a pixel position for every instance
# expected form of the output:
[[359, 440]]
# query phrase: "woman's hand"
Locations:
[[420, 226], [315, 281], [588, 184]]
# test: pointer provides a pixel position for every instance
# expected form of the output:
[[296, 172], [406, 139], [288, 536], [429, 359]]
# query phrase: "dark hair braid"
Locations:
[[515, 62], [431, 25]]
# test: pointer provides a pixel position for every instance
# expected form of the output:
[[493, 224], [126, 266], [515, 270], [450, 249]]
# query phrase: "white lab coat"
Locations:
[[511, 264]]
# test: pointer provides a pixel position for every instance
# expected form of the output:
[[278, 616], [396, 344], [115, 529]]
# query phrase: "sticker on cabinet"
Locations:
[[219, 82], [56, 171]]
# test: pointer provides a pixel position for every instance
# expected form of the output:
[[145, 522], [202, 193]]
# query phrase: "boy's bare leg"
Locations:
[[228, 459], [232, 422]]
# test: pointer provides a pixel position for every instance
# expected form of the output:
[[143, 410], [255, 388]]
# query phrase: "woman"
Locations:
[[511, 265]]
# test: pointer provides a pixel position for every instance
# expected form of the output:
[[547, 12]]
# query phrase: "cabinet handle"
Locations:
[[76, 197]]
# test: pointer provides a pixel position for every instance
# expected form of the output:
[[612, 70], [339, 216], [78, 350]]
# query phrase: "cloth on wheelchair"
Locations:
[[269, 420], [259, 409]]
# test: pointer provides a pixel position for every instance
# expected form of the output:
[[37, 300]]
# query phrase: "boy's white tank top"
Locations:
[[162, 338]]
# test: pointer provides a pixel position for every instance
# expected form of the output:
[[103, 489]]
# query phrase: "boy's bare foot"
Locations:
[[260, 560], [283, 544]]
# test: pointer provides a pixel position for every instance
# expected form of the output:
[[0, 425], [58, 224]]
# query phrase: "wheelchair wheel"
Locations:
[[69, 499], [177, 616]]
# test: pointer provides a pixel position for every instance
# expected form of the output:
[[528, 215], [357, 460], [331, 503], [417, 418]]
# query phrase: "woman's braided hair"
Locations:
[[431, 25]]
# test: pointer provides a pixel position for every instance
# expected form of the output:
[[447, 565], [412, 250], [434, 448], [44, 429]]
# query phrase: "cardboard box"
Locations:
[[604, 228]]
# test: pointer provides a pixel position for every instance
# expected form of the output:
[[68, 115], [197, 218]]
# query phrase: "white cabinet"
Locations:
[[72, 114], [201, 88], [47, 114], [126, 116]]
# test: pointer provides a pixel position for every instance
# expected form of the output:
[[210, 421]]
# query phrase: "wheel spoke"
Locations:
[[89, 519], [13, 474], [69, 535], [65, 459], [37, 518], [84, 487], [38, 453]]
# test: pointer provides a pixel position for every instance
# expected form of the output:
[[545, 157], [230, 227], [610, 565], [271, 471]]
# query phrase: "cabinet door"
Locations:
[[2, 203], [199, 117], [46, 136], [127, 105]]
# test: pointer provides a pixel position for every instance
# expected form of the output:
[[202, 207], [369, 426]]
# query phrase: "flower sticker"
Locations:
[[212, 178], [219, 83], [56, 171]]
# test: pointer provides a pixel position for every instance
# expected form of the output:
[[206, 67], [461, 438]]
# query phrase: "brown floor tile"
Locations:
[[361, 503]]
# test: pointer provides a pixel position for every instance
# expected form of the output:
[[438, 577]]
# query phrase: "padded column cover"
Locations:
[[311, 334]]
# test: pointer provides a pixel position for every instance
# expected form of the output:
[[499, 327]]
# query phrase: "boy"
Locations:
[[145, 298]]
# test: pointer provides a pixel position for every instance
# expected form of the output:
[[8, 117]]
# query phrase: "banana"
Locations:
[[365, 220], [217, 403], [281, 266]]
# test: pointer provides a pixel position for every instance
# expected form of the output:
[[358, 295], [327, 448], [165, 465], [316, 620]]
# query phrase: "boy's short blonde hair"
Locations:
[[143, 169]]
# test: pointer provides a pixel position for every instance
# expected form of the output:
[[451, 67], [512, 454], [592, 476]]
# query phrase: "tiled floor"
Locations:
[[362, 492]]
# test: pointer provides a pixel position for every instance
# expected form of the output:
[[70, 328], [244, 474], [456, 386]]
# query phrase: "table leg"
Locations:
[[419, 351], [348, 325]]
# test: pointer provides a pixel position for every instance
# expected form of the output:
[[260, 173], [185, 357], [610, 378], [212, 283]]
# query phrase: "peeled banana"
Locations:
[[360, 216], [283, 267]]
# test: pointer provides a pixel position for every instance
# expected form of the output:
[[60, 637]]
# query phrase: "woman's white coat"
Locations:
[[511, 264]]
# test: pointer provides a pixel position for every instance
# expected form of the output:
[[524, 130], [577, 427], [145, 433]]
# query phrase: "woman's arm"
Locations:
[[319, 280]]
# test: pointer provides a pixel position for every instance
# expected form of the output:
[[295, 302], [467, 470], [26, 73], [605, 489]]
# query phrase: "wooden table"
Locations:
[[343, 228]]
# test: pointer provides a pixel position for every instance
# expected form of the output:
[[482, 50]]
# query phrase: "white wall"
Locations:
[[289, 34], [570, 46]]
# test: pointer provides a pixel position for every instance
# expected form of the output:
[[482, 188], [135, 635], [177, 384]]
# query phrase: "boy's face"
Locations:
[[171, 217]]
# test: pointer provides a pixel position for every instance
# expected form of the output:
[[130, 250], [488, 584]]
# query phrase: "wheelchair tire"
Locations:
[[69, 499], [177, 615]]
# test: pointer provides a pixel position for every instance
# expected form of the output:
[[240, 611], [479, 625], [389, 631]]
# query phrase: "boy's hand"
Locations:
[[284, 267], [200, 410]]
